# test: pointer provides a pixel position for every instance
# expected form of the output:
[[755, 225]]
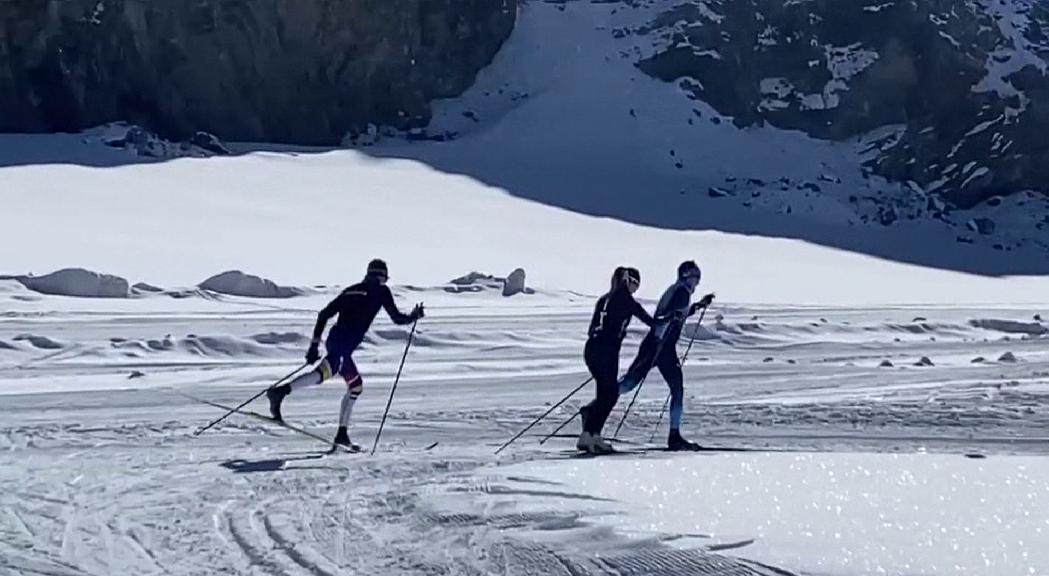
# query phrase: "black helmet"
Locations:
[[688, 268], [634, 274], [378, 268]]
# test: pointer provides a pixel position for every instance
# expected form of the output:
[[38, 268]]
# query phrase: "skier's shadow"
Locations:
[[240, 466]]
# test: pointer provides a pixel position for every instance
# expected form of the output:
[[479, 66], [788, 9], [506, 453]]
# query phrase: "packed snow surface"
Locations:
[[857, 469]]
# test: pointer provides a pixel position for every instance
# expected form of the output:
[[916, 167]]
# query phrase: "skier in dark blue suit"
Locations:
[[356, 308], [659, 348]]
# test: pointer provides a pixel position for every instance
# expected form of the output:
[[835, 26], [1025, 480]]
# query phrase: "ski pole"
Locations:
[[655, 429], [545, 414], [250, 400], [684, 359], [559, 427], [411, 335]]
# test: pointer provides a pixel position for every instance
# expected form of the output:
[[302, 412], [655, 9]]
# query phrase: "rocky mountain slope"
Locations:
[[293, 71]]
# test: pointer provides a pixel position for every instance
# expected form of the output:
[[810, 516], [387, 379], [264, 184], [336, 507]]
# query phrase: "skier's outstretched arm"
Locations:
[[639, 312], [398, 317]]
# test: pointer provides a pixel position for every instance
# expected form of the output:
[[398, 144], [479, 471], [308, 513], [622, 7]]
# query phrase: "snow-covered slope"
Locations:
[[316, 218], [565, 164]]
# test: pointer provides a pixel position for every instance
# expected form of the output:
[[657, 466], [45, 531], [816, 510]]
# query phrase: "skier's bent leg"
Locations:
[[320, 374], [277, 394], [641, 365]]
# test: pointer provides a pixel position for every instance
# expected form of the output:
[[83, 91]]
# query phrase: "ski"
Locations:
[[333, 448], [612, 440], [584, 455]]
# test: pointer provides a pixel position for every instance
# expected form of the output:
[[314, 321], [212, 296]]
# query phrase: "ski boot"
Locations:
[[676, 443], [584, 414], [343, 439], [276, 396], [584, 441], [599, 445]]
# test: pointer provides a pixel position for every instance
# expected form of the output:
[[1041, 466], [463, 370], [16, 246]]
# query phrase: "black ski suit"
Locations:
[[356, 307], [608, 327]]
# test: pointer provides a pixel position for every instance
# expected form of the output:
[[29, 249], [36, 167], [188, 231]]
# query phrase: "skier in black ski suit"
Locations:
[[659, 348], [356, 308], [608, 327]]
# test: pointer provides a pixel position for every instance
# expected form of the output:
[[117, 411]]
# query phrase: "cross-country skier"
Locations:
[[659, 348], [608, 327], [356, 308]]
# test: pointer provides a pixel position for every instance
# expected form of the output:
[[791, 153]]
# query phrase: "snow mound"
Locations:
[[277, 338], [77, 282], [399, 335], [474, 282], [144, 288], [210, 346], [1010, 326], [698, 332], [237, 283], [511, 285], [262, 345], [1008, 358], [41, 342]]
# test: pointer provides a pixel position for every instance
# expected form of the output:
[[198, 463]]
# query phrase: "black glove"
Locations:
[[703, 303], [418, 312], [312, 354]]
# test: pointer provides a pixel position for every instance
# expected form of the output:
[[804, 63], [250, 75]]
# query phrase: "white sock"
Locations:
[[346, 409], [309, 379]]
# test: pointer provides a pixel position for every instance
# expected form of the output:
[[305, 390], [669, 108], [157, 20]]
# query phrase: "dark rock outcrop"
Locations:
[[964, 82], [294, 71]]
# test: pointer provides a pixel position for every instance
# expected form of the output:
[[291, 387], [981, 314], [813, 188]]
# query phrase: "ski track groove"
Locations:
[[135, 543], [292, 551], [254, 555], [20, 522]]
